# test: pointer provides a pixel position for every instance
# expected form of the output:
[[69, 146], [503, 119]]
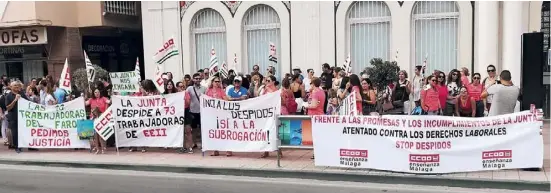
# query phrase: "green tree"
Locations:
[[79, 78], [382, 73]]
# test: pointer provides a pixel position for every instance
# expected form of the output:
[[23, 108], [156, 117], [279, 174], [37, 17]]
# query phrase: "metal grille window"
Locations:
[[369, 33], [121, 7], [435, 35], [262, 26], [209, 31]]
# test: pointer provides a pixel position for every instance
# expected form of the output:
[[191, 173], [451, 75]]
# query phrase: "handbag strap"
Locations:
[[196, 95]]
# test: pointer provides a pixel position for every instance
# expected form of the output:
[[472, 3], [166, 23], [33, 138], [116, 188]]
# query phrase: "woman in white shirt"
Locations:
[[50, 99]]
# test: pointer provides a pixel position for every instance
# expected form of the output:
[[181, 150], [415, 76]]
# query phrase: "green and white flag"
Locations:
[[137, 69], [167, 51], [90, 70], [104, 125]]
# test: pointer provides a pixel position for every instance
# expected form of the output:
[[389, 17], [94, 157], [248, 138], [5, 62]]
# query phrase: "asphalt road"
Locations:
[[36, 179]]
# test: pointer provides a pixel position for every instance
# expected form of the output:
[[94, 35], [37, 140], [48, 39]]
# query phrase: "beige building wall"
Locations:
[[61, 13]]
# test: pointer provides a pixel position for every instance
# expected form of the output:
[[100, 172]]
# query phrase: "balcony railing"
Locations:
[[129, 8]]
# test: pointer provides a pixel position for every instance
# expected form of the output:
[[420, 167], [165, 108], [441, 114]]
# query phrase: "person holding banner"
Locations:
[[188, 136], [11, 106], [268, 88], [98, 104], [215, 90], [195, 91]]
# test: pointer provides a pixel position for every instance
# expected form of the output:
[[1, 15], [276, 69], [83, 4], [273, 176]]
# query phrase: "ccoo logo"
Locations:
[[497, 154], [353, 153], [424, 158]]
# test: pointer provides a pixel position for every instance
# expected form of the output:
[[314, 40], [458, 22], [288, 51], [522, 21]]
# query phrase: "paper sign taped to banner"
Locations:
[[125, 81]]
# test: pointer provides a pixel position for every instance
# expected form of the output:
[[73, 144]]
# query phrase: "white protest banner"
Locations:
[[348, 105], [125, 81], [52, 126], [149, 121], [240, 126], [428, 144], [103, 125]]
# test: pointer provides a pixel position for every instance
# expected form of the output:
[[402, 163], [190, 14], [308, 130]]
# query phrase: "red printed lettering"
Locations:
[[155, 132]]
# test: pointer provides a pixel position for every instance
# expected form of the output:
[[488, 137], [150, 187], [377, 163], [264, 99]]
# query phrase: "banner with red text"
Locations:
[[104, 125], [428, 144], [50, 126], [149, 121], [240, 126]]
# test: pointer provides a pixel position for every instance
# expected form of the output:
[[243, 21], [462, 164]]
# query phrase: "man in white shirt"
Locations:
[[416, 86], [195, 91], [308, 79], [205, 82]]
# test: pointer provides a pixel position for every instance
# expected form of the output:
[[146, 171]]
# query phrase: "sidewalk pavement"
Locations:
[[294, 164]]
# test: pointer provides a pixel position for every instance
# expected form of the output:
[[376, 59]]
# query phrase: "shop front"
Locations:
[[114, 54], [23, 53]]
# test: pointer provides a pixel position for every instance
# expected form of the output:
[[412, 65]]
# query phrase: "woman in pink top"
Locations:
[[316, 100], [430, 99], [475, 90], [288, 104], [269, 87], [442, 89], [465, 76], [215, 91], [356, 85], [98, 104]]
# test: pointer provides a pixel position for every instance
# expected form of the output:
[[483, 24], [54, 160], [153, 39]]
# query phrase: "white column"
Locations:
[[486, 35], [512, 34], [512, 43]]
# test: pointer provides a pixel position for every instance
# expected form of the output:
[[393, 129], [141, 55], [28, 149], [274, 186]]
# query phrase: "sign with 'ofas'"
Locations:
[[23, 36]]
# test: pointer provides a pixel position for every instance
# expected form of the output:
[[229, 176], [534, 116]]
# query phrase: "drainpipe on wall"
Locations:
[[473, 37]]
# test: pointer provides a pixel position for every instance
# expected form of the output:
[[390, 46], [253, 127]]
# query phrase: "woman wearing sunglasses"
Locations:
[[216, 91], [270, 86], [475, 90], [430, 100], [465, 105], [487, 82]]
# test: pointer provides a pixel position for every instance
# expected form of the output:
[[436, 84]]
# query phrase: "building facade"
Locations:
[[37, 36], [447, 34]]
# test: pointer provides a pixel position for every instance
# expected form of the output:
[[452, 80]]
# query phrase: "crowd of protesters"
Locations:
[[460, 94]]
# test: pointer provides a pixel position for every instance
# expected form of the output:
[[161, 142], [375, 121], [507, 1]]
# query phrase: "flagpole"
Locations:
[[116, 128], [180, 37]]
